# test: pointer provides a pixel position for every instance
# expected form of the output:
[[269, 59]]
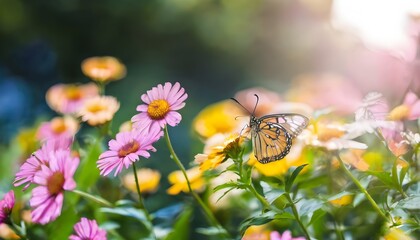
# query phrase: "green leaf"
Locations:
[[291, 178], [256, 220], [181, 227], [228, 185], [411, 202], [270, 193], [316, 215], [308, 207], [88, 173], [385, 178], [62, 227], [211, 231], [130, 212]]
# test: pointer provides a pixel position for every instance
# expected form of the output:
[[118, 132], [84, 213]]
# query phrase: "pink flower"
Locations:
[[53, 179], [67, 98], [6, 205], [58, 127], [409, 110], [126, 149], [88, 230], [41, 157], [287, 235], [162, 102]]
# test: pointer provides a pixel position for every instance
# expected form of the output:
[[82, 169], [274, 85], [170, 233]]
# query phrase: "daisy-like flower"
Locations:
[[88, 230], [41, 157], [68, 98], [160, 108], [219, 117], [287, 235], [217, 149], [126, 149], [179, 183], [409, 110], [103, 69], [6, 206], [53, 179], [148, 180], [99, 110], [58, 127]]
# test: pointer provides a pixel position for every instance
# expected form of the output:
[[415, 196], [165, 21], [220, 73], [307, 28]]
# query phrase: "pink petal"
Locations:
[[410, 98]]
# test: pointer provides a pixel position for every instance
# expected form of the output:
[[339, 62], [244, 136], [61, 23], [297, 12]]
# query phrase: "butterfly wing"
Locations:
[[272, 135]]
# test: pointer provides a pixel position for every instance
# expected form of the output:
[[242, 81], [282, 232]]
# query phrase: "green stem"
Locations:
[[296, 214], [17, 229], [141, 203], [203, 206], [338, 231], [93, 198], [361, 188]]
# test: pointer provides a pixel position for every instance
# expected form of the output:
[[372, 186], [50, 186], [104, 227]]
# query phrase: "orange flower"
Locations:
[[103, 69], [58, 127], [99, 110]]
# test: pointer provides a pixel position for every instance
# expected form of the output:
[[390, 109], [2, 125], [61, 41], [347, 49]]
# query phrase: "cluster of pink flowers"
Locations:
[[51, 168], [159, 109], [6, 206]]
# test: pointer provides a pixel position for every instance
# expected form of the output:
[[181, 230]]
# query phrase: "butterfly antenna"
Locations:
[[255, 107], [240, 105]]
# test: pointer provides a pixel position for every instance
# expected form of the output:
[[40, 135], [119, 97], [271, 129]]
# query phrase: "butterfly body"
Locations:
[[272, 135]]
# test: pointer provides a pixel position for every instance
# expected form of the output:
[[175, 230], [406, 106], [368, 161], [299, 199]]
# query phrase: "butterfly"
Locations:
[[272, 134]]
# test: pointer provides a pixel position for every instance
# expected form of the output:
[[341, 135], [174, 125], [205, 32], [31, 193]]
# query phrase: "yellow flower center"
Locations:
[[55, 183], [94, 108], [128, 148], [73, 93], [158, 109], [58, 125], [399, 113]]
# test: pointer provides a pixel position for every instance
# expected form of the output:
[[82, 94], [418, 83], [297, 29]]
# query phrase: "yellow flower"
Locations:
[[278, 168], [103, 69], [343, 200], [219, 118], [99, 110], [257, 232], [217, 149], [397, 234], [179, 183], [148, 180], [27, 141], [7, 233]]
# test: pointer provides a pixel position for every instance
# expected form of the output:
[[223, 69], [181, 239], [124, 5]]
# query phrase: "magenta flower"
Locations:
[[53, 179], [126, 149], [88, 230], [162, 102], [6, 205], [287, 235], [33, 164]]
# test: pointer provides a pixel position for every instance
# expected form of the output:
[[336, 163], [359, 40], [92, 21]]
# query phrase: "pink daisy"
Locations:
[[58, 127], [33, 164], [287, 235], [6, 205], [53, 179], [88, 230], [162, 102], [126, 149], [409, 110]]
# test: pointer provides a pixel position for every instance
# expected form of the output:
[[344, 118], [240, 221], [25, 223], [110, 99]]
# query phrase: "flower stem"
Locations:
[[141, 203], [361, 188], [93, 198], [297, 217], [21, 232], [203, 206]]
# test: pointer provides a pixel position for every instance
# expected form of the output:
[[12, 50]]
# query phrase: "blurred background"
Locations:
[[214, 48]]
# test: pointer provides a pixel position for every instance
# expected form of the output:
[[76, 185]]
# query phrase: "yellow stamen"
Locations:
[[73, 93], [55, 183], [158, 109], [128, 148], [94, 108], [58, 125], [399, 113]]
